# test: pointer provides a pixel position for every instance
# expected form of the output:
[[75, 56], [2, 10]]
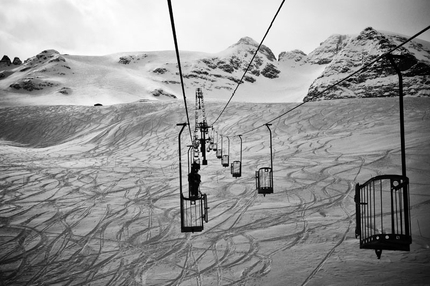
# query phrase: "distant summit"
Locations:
[[294, 55], [5, 61], [247, 41]]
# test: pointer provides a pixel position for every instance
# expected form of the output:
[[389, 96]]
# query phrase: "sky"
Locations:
[[101, 27]]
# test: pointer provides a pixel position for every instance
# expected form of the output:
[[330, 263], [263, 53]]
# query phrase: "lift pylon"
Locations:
[[200, 138]]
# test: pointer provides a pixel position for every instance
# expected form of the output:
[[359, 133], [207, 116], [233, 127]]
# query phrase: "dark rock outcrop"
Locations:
[[5, 61], [17, 61], [270, 71], [159, 91]]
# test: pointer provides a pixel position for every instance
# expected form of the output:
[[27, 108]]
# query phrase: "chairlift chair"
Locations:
[[194, 207], [382, 214], [264, 180], [219, 153], [264, 176], [382, 203], [218, 150], [225, 161], [193, 213], [236, 166], [236, 169], [212, 143], [225, 157]]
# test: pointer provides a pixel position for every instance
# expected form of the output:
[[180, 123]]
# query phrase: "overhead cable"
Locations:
[[249, 65], [172, 21]]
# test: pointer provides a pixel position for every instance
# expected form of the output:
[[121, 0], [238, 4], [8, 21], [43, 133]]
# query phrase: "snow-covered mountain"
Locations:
[[54, 78], [380, 79]]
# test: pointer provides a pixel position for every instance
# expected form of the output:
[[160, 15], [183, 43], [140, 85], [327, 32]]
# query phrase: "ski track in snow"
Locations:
[[103, 208]]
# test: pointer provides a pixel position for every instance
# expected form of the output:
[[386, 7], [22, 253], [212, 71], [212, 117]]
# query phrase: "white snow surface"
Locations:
[[102, 79], [90, 195]]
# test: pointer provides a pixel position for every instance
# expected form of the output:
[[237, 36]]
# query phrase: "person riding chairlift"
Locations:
[[194, 181]]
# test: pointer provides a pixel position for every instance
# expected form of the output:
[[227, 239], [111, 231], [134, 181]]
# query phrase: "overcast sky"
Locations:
[[100, 27]]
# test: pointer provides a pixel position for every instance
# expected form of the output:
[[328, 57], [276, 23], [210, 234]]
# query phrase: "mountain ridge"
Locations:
[[54, 78]]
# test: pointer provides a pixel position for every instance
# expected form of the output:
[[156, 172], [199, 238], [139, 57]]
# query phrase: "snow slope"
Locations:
[[53, 78], [89, 195]]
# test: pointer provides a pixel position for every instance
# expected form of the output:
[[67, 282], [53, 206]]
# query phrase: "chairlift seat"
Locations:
[[193, 213], [264, 180], [382, 214], [225, 161], [236, 169], [219, 153]]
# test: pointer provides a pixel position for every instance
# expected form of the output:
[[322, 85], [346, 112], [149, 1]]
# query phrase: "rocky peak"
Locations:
[[46, 56], [328, 49], [17, 61], [5, 61], [247, 41], [295, 55], [362, 50]]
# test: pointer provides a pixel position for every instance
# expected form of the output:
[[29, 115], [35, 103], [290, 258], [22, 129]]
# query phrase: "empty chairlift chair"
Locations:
[[264, 176], [382, 214], [236, 166], [225, 157], [218, 150], [264, 180], [382, 203]]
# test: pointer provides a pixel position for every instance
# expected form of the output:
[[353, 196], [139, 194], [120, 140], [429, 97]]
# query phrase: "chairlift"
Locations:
[[382, 214], [219, 150], [382, 203], [225, 157], [264, 176], [194, 207], [212, 140], [214, 144], [236, 166]]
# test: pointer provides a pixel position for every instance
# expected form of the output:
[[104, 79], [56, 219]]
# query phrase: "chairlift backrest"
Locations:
[[264, 180], [193, 213], [382, 213], [236, 169], [225, 161], [219, 153]]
